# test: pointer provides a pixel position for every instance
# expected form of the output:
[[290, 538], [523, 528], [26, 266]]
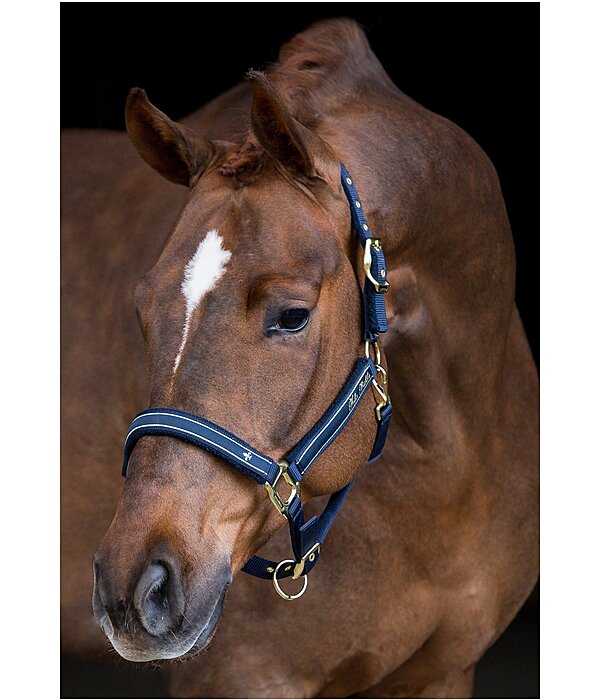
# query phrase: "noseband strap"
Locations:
[[306, 536]]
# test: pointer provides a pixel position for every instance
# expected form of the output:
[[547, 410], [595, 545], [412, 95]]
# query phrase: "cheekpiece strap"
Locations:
[[376, 284]]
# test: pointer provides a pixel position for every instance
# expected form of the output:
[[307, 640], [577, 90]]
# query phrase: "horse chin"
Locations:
[[187, 647]]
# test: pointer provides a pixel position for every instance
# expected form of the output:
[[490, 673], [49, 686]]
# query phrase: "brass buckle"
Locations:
[[368, 261], [309, 556], [281, 505]]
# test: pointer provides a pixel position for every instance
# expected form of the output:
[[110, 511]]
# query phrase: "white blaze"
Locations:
[[204, 269]]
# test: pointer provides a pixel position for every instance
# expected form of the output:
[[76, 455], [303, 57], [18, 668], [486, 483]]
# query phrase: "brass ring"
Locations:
[[278, 588]]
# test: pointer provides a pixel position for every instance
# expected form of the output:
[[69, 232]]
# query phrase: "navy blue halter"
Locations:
[[307, 536]]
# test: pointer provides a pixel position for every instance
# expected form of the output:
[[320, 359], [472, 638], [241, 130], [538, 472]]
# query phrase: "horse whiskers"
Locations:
[[110, 647], [130, 621], [186, 619]]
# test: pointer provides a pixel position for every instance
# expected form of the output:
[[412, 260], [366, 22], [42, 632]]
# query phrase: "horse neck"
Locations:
[[433, 197]]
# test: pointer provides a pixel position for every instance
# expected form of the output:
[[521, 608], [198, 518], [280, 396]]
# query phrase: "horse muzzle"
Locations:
[[161, 617]]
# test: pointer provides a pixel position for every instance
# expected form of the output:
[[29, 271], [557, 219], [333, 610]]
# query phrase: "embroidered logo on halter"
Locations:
[[364, 382], [247, 456]]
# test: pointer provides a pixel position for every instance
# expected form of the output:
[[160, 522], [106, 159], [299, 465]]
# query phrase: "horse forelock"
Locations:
[[244, 160]]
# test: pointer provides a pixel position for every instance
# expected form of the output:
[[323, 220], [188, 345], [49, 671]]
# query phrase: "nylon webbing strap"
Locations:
[[202, 433], [334, 419], [359, 222], [313, 531], [375, 321]]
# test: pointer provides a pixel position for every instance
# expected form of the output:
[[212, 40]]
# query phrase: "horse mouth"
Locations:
[[208, 632], [161, 650]]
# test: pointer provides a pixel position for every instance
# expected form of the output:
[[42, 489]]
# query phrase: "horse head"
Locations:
[[252, 317]]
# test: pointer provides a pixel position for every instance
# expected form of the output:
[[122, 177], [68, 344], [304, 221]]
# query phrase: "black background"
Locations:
[[474, 63]]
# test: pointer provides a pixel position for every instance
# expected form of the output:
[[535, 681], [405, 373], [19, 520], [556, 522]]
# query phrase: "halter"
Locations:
[[307, 536]]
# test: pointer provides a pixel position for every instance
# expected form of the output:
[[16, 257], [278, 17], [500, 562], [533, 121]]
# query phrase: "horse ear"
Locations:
[[290, 143], [173, 150]]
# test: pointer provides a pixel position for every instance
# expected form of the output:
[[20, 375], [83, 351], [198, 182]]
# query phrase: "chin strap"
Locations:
[[306, 536]]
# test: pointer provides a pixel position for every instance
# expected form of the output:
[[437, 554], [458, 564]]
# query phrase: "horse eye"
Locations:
[[293, 320]]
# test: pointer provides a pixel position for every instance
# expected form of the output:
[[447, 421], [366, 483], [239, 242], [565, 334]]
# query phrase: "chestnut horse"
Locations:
[[251, 316]]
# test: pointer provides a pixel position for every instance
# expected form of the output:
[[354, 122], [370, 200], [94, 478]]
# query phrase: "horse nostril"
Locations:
[[158, 599]]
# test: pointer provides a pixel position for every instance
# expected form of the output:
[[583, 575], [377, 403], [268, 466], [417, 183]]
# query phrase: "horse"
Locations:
[[246, 285]]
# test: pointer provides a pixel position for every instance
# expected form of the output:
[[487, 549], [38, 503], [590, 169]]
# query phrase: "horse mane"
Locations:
[[315, 69]]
